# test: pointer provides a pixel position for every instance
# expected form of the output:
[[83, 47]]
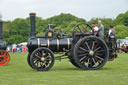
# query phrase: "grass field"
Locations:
[[17, 72]]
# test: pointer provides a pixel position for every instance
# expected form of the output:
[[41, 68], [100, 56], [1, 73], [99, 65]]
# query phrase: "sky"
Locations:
[[87, 9]]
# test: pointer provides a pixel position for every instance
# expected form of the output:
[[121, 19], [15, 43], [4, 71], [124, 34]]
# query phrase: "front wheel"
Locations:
[[42, 59]]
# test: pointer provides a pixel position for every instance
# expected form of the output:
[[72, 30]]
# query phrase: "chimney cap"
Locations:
[[32, 14]]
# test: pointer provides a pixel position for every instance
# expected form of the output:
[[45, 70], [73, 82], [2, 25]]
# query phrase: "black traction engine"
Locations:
[[84, 49]]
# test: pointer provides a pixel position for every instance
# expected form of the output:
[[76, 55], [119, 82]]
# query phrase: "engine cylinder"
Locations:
[[56, 45]]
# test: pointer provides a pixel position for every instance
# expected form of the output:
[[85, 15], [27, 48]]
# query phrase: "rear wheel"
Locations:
[[90, 53], [42, 59]]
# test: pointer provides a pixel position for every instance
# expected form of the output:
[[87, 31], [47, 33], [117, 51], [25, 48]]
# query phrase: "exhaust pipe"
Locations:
[[32, 22], [3, 44], [1, 29]]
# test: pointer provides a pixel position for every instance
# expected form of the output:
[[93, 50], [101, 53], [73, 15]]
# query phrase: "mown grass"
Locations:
[[17, 72]]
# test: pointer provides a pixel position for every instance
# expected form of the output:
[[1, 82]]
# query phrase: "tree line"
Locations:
[[18, 30]]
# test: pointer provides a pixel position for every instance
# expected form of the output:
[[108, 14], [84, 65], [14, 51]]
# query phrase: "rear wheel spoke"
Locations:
[[99, 54], [96, 45], [94, 60], [83, 58], [87, 45], [88, 62], [83, 49], [97, 49], [99, 58], [100, 51], [93, 44]]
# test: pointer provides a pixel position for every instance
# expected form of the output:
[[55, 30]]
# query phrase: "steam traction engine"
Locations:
[[4, 56], [84, 49]]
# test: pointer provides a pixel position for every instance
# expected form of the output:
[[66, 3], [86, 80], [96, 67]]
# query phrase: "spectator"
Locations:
[[20, 48], [14, 46]]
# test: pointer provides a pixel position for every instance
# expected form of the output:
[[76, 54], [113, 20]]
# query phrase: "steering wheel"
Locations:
[[82, 29]]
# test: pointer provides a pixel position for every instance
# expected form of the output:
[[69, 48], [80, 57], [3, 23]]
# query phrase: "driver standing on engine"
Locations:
[[101, 29]]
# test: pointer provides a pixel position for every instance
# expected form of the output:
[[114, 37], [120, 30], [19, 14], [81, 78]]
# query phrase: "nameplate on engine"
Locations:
[[43, 44]]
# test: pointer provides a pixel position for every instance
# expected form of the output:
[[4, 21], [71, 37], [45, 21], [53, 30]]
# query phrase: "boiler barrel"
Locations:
[[56, 45]]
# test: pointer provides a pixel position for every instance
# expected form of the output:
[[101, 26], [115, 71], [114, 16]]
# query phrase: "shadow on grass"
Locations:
[[78, 69], [71, 69], [61, 69]]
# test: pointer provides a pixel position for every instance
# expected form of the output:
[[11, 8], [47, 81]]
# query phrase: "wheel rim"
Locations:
[[4, 58], [91, 53], [42, 59]]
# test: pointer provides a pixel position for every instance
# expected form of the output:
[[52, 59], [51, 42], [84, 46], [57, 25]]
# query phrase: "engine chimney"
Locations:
[[1, 26], [32, 21]]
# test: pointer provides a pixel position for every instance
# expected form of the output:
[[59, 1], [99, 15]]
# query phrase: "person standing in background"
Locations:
[[14, 46], [95, 29], [101, 29], [20, 48]]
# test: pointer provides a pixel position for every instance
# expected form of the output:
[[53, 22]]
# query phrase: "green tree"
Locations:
[[122, 19], [121, 31], [70, 27], [18, 31]]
